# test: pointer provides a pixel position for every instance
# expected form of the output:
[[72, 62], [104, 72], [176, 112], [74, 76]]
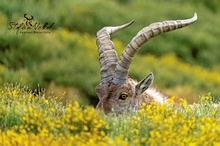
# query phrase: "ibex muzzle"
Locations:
[[117, 91]]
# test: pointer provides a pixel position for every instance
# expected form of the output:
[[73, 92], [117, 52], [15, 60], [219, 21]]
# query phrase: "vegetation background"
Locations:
[[65, 61]]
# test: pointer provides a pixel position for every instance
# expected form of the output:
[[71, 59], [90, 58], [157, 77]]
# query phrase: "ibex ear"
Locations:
[[144, 84]]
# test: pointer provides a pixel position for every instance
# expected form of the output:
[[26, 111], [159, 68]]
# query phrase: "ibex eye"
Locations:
[[123, 96]]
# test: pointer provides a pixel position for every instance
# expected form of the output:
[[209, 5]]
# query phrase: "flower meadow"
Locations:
[[27, 119]]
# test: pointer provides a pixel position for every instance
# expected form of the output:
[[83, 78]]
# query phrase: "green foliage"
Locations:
[[156, 124], [28, 119], [68, 55], [170, 72]]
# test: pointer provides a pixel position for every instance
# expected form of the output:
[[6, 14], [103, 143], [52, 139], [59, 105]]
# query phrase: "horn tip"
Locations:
[[129, 23], [195, 16]]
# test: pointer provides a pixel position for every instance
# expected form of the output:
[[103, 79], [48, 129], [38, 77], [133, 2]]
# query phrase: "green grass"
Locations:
[[185, 62], [28, 119]]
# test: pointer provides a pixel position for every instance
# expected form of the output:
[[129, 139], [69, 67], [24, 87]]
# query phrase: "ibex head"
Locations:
[[117, 91]]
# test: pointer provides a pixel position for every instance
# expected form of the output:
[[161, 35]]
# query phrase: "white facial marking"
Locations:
[[157, 96]]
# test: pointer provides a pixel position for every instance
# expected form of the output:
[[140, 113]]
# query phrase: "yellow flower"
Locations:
[[143, 139], [193, 144], [46, 102], [119, 141], [85, 128], [15, 93], [52, 109]]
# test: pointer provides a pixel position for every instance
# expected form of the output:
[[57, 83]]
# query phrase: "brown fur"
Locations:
[[109, 94]]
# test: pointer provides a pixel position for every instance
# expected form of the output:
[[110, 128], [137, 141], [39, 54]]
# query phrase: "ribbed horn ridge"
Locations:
[[107, 55], [143, 36]]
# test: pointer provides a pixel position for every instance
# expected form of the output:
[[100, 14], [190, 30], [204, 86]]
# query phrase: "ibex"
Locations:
[[117, 91]]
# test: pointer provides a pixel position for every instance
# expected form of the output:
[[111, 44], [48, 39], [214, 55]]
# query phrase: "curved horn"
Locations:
[[143, 36], [107, 55]]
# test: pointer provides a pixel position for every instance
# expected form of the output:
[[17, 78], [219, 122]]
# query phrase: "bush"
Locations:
[[28, 119]]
